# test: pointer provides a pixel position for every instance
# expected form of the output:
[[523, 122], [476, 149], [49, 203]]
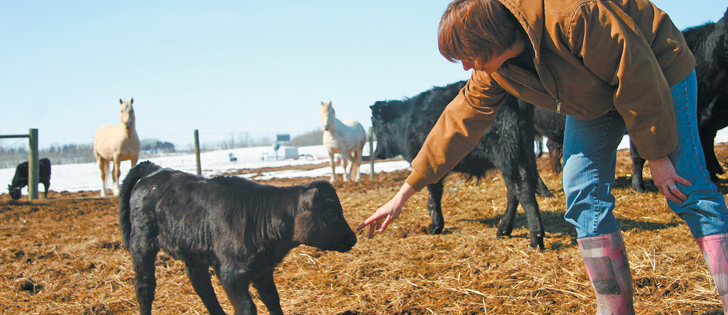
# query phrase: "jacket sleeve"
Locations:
[[458, 130], [613, 47]]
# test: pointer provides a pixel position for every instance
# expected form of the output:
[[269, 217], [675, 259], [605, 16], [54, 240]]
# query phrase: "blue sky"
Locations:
[[222, 67]]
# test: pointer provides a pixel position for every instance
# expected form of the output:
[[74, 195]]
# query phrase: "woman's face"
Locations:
[[496, 62]]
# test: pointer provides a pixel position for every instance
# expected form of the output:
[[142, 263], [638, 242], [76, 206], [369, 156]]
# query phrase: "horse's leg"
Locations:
[[115, 176], [332, 162], [352, 164], [345, 157], [104, 167], [357, 165]]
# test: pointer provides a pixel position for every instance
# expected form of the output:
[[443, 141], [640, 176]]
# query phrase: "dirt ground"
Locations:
[[64, 255]]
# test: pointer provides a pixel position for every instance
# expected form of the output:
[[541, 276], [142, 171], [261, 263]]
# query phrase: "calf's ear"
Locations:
[[307, 198]]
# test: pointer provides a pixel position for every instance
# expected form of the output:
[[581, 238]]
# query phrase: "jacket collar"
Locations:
[[531, 15]]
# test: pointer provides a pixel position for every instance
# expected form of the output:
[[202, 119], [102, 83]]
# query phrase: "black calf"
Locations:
[[20, 179], [240, 228], [402, 126]]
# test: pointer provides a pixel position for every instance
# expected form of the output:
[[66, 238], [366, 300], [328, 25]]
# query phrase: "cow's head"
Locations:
[[14, 192], [388, 124], [319, 221]]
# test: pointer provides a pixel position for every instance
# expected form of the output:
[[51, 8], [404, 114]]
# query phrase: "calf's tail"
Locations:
[[127, 186]]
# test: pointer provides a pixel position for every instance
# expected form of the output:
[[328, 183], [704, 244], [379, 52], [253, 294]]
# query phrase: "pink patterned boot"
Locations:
[[715, 248], [606, 263]]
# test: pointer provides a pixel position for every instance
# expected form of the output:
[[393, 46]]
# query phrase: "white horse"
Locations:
[[115, 144], [346, 138]]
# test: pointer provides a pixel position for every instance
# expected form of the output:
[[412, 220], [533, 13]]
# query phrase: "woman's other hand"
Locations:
[[665, 178]]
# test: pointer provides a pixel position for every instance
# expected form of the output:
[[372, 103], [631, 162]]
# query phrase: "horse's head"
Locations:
[[14, 192], [327, 115], [127, 113]]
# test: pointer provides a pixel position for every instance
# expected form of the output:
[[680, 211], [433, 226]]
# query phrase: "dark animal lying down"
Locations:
[[20, 179], [402, 126], [238, 227]]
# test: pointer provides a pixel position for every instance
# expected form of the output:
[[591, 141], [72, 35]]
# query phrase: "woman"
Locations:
[[612, 67]]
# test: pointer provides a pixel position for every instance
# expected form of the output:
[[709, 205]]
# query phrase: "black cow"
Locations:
[[709, 44], [20, 179], [240, 228], [401, 127]]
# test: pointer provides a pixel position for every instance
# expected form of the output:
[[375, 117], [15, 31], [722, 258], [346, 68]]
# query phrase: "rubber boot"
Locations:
[[606, 263], [715, 248]]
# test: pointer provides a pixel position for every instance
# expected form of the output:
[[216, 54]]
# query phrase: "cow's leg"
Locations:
[[707, 139], [332, 163], [434, 207], [541, 189], [116, 173], [200, 278], [236, 285], [556, 152], [527, 197], [46, 184], [104, 168], [144, 278], [638, 164], [268, 292]]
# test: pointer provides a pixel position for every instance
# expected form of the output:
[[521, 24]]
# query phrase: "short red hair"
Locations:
[[476, 29]]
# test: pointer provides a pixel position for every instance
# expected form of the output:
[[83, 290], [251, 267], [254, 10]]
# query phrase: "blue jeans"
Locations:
[[590, 154]]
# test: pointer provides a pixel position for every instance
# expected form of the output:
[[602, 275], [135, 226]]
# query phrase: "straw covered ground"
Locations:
[[64, 255]]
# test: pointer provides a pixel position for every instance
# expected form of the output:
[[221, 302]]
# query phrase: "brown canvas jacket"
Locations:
[[592, 57]]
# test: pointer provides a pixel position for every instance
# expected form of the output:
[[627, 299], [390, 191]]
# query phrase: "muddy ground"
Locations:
[[64, 255]]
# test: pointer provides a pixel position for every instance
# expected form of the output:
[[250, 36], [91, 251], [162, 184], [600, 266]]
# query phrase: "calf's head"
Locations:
[[319, 221], [14, 192]]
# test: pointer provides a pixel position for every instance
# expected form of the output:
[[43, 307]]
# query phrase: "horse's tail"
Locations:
[[127, 186]]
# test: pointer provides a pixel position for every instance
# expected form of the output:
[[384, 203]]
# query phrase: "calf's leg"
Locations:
[[200, 278], [236, 285], [144, 279], [268, 292]]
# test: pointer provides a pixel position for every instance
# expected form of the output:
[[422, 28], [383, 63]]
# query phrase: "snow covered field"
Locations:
[[81, 177]]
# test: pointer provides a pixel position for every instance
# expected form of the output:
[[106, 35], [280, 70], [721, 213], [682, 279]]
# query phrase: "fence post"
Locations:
[[33, 165], [197, 152], [371, 153]]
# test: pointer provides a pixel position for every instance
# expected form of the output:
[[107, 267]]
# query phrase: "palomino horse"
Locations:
[[346, 138], [115, 144]]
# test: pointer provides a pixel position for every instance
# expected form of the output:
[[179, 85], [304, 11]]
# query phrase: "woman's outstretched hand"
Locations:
[[665, 177], [388, 212]]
